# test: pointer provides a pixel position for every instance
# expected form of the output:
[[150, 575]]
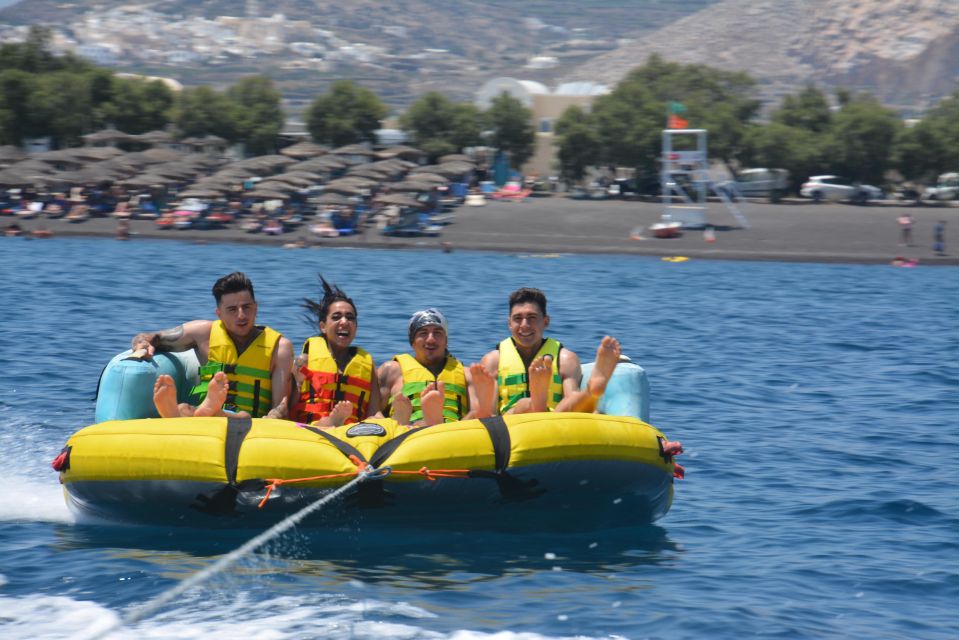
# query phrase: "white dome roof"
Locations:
[[522, 90]]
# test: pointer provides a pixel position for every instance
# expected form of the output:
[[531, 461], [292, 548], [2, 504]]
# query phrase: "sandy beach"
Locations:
[[796, 231]]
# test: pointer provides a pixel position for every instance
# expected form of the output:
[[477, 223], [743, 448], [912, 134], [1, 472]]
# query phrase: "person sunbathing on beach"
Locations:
[[534, 373]]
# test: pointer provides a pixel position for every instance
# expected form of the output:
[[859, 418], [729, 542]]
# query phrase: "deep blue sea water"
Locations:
[[818, 405]]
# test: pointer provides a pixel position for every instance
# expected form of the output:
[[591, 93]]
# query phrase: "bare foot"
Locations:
[[164, 397], [342, 410], [540, 374], [484, 387], [402, 409], [279, 412], [215, 395], [607, 355], [431, 402], [298, 364]]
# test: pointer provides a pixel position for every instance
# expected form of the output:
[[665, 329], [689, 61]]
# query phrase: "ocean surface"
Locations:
[[818, 405]]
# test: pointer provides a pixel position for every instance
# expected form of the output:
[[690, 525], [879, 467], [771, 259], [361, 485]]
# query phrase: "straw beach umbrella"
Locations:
[[398, 199], [456, 157], [304, 149], [268, 194], [411, 186]]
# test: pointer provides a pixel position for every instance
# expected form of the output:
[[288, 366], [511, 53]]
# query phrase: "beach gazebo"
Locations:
[[400, 151], [107, 138], [398, 199], [304, 150], [10, 154]]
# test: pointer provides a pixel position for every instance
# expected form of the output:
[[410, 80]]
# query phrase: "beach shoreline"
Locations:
[[792, 231]]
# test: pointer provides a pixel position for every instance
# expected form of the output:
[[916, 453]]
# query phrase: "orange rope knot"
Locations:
[[273, 483], [433, 474]]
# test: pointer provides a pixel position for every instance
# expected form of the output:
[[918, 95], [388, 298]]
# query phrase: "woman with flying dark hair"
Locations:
[[336, 381]]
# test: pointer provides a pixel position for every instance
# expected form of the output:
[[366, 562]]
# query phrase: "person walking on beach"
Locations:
[[432, 386], [905, 229], [939, 238], [534, 373], [245, 367]]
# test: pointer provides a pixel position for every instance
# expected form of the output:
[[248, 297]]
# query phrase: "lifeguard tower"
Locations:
[[686, 184]]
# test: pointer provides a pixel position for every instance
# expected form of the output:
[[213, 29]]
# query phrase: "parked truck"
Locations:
[[947, 188]]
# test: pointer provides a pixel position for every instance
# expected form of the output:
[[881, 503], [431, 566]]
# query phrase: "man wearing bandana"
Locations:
[[436, 385]]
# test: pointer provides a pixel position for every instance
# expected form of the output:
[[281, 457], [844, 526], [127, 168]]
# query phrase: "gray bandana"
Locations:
[[425, 318]]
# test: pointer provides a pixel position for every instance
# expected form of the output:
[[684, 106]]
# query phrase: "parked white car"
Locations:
[[757, 183], [834, 188], [947, 188]]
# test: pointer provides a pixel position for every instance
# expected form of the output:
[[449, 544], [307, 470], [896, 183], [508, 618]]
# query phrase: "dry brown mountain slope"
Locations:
[[904, 51]]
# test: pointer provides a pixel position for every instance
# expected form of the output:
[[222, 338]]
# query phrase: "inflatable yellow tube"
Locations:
[[163, 469]]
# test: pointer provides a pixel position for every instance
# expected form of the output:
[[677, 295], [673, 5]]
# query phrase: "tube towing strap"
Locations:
[[148, 608]]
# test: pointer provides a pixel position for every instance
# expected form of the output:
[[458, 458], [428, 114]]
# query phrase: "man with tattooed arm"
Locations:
[[244, 367]]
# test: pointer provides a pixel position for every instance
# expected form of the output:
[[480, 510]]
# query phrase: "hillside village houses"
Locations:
[[107, 37], [124, 33]]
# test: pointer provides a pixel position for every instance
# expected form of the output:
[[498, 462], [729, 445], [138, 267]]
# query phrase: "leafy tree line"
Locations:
[[851, 135], [66, 97], [348, 113], [858, 138]]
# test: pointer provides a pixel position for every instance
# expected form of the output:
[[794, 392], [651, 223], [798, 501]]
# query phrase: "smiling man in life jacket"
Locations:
[[244, 366], [534, 373], [431, 385]]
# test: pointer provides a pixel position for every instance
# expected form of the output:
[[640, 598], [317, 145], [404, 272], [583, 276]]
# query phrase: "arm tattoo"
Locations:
[[169, 337]]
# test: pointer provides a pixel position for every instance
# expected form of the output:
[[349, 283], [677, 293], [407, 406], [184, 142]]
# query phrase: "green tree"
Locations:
[[346, 114], [630, 119], [15, 119], [776, 145], [809, 110], [200, 111], [511, 128], [138, 105], [578, 142], [61, 106], [438, 126], [861, 139], [931, 146], [260, 118]]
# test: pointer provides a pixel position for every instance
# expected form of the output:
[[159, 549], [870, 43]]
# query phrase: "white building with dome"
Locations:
[[546, 106]]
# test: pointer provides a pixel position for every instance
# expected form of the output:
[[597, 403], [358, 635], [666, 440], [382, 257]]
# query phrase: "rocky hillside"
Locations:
[[400, 49], [904, 51]]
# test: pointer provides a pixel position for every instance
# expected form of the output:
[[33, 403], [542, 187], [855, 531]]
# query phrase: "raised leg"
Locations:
[[402, 409], [164, 397], [431, 401], [586, 400], [540, 372], [484, 389], [607, 356], [216, 393]]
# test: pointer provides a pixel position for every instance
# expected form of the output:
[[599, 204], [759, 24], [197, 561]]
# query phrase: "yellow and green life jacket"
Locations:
[[416, 377], [251, 386], [325, 385], [513, 379]]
